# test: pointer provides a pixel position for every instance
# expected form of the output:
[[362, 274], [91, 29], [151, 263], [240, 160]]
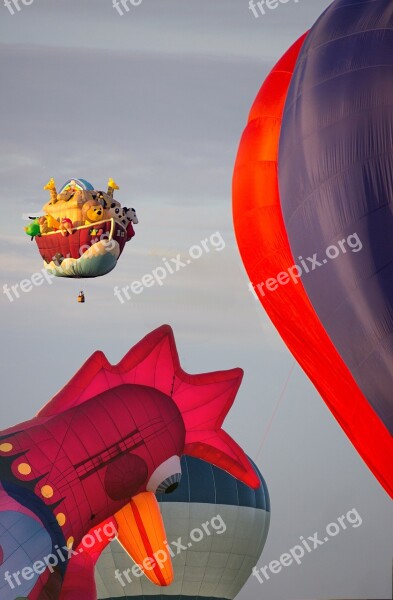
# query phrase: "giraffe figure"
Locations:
[[112, 186], [51, 186]]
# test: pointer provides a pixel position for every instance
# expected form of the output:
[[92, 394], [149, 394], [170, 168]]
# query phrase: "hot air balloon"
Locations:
[[219, 563], [83, 231], [312, 206], [88, 465]]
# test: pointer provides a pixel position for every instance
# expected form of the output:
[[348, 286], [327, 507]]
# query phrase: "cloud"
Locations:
[[165, 127], [173, 28]]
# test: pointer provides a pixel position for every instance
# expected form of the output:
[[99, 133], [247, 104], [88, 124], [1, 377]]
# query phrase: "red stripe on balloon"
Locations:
[[146, 543]]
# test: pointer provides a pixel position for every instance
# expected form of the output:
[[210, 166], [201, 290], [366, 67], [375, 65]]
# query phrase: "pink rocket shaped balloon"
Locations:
[[90, 462]]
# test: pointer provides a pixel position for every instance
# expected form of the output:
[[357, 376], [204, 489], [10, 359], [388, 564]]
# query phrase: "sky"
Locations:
[[157, 99]]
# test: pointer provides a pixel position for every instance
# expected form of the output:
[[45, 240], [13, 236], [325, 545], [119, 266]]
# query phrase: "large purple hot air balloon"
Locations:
[[336, 185], [313, 215]]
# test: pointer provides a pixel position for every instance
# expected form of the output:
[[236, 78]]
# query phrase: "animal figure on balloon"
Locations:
[[83, 231], [93, 458], [313, 186]]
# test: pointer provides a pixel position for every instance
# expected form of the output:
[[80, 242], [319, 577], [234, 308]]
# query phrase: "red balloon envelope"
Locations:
[[266, 252]]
